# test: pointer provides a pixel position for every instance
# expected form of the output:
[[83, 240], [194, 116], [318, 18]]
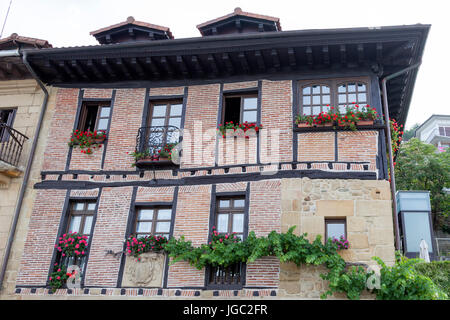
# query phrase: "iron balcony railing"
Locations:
[[153, 139], [11, 144], [226, 276]]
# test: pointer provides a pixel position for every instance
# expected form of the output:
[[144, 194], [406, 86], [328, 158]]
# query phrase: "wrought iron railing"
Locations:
[[11, 144], [230, 276], [153, 139]]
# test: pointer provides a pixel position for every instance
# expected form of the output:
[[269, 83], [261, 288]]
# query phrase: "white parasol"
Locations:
[[424, 251]]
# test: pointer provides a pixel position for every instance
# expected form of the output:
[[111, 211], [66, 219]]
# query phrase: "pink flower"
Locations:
[[58, 277], [58, 270]]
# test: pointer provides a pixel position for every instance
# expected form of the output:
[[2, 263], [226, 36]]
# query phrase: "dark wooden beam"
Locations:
[[260, 60], [238, 24], [326, 55], [309, 57], [244, 62], [292, 59], [153, 67], [131, 33], [61, 74], [138, 67], [63, 65], [275, 59], [261, 27], [2, 73], [13, 70], [214, 31], [226, 60], [123, 68], [212, 63], [76, 65], [107, 67], [198, 67], [151, 35], [343, 51], [182, 66], [379, 49], [360, 49], [97, 72], [167, 67]]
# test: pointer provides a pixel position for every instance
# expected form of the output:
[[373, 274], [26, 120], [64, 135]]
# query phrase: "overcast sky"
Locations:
[[68, 23]]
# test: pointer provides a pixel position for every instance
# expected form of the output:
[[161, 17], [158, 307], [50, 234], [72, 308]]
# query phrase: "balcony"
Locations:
[[154, 144], [11, 147]]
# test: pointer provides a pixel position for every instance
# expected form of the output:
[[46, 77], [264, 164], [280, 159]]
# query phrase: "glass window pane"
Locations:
[[87, 224], [351, 87], [306, 100], [144, 227], [342, 108], [342, 98], [175, 109], [315, 89], [91, 206], [352, 97], [238, 223], [361, 87], [307, 111], [250, 103], [316, 110], [159, 111], [162, 227], [224, 203], [75, 224], [362, 97], [342, 88], [239, 203], [164, 214], [145, 214], [249, 116], [175, 122], [222, 223], [326, 99], [335, 230], [307, 90], [316, 100], [105, 112], [102, 124], [157, 122], [417, 227], [325, 108], [325, 89], [78, 206]]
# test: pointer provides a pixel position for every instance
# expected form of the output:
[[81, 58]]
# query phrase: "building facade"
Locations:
[[148, 91], [436, 131]]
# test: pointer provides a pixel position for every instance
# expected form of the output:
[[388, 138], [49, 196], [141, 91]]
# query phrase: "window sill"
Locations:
[[375, 126]]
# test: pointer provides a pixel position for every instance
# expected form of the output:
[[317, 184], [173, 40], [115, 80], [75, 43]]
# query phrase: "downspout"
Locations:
[[391, 157], [29, 163]]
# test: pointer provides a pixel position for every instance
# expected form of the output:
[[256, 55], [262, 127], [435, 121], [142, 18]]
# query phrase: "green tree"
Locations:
[[420, 166], [410, 133]]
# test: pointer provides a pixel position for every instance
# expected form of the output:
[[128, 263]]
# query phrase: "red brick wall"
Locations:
[[166, 91], [276, 113], [316, 146], [62, 123], [192, 221], [125, 123], [97, 93], [162, 194], [41, 237], [358, 146], [109, 234], [240, 85]]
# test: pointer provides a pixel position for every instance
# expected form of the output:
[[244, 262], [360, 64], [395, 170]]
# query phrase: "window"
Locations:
[[317, 97], [335, 228], [94, 116], [153, 221], [80, 220], [444, 131], [6, 117], [229, 218], [162, 115], [240, 108]]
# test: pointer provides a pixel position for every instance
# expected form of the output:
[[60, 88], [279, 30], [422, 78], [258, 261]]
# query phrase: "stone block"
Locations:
[[381, 236], [358, 240], [371, 208], [291, 218], [291, 287], [313, 225], [356, 224], [386, 253], [335, 208], [148, 272]]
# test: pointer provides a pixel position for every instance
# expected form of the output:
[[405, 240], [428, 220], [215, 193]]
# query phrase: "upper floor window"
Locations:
[[230, 216], [335, 228], [6, 117], [153, 221], [444, 131], [164, 122], [318, 96], [240, 108], [94, 116]]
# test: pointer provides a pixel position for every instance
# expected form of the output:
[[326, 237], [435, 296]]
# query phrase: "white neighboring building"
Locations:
[[436, 131]]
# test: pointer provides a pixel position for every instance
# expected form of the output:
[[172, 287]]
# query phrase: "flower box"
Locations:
[[364, 122], [304, 125], [327, 124]]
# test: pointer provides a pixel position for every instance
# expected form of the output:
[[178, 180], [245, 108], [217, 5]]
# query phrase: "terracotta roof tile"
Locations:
[[238, 12], [15, 38]]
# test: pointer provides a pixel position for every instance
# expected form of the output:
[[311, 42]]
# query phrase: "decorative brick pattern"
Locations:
[[41, 237], [316, 146], [109, 234], [84, 193], [172, 91], [97, 93], [239, 85], [163, 194]]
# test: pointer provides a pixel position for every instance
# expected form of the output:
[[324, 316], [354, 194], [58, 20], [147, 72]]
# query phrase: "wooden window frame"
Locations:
[[230, 211], [166, 117], [335, 221], [84, 111], [333, 84], [83, 213], [154, 220], [9, 122], [242, 96]]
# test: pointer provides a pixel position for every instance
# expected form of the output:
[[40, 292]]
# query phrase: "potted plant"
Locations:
[[165, 154], [324, 119], [304, 121], [87, 141], [236, 129], [58, 278], [139, 245], [341, 243], [366, 115]]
